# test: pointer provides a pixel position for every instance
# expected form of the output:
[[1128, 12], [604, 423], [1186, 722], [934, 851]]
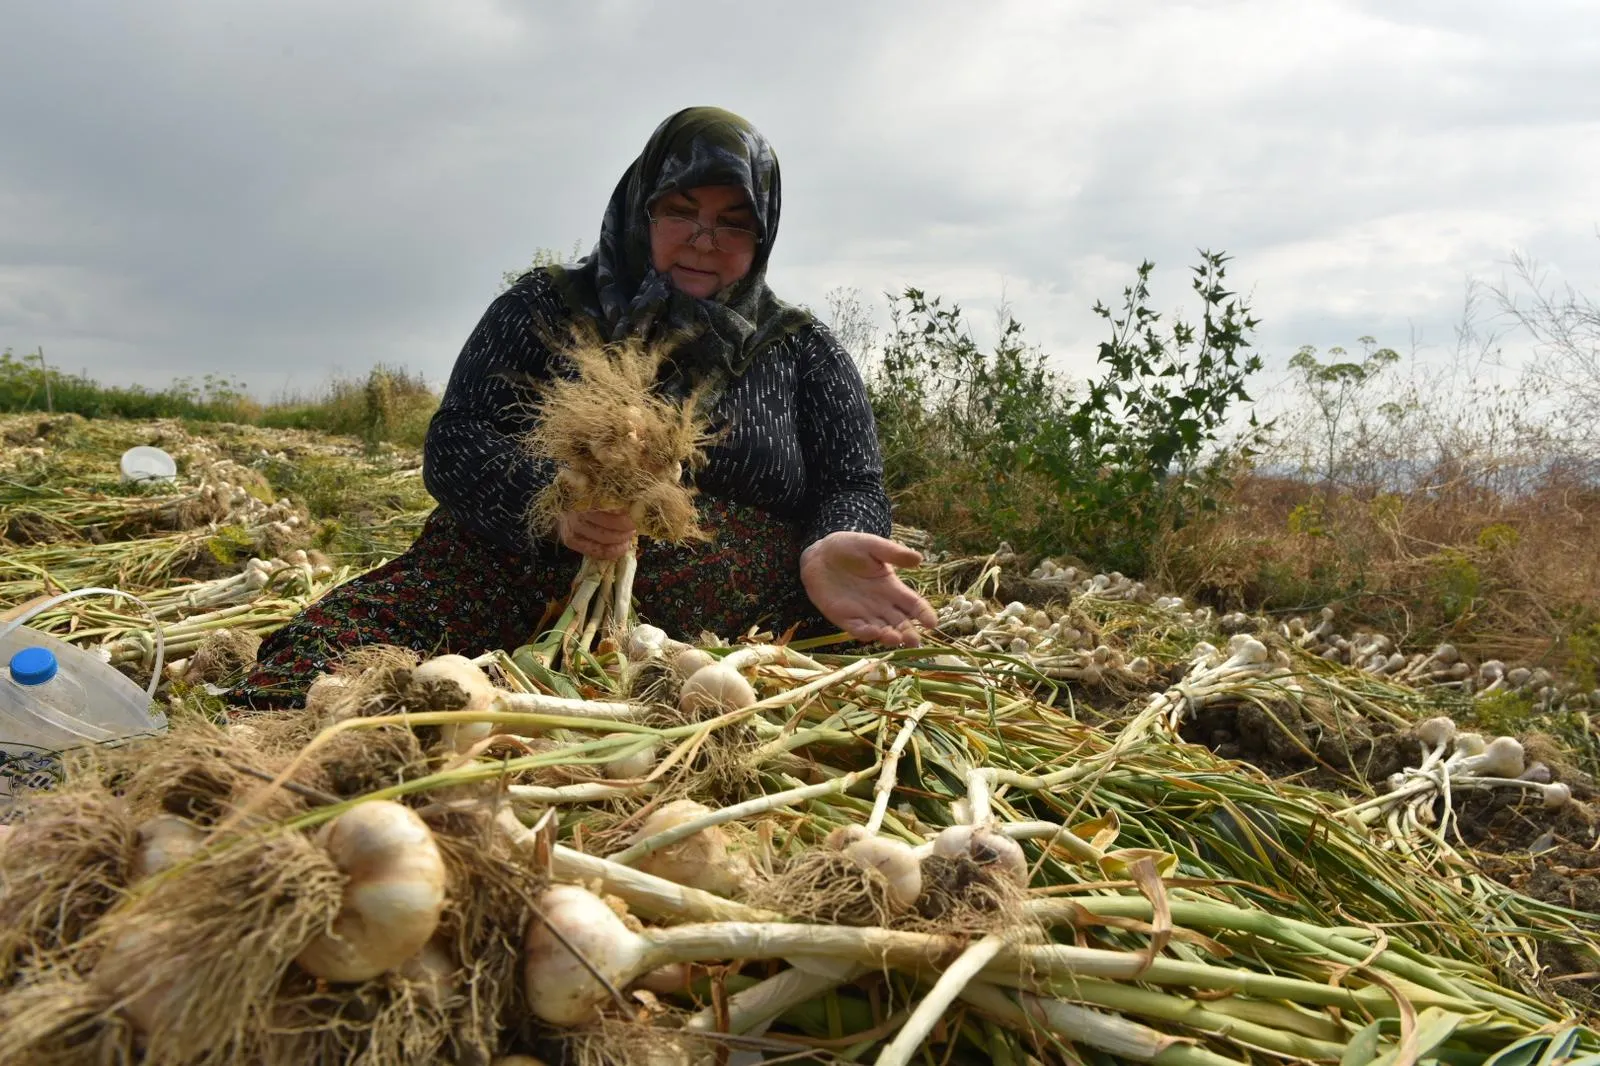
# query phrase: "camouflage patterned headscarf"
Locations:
[[616, 286]]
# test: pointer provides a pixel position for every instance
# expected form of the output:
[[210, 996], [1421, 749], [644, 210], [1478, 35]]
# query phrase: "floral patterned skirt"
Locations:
[[452, 591]]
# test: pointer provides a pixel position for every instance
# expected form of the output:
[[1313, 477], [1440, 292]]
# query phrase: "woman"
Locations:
[[792, 492]]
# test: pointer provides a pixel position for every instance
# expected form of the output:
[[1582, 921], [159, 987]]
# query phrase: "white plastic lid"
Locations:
[[145, 463]]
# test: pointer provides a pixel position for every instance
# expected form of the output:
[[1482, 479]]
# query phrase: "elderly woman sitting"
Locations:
[[792, 490]]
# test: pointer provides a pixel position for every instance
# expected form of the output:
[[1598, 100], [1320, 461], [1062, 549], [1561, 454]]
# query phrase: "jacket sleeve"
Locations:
[[839, 439], [472, 461]]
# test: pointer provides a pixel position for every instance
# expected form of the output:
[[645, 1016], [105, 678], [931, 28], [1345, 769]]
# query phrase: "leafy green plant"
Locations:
[[1583, 653], [1457, 583], [994, 445]]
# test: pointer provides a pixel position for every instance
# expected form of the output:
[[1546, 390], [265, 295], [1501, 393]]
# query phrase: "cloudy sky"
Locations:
[[280, 191]]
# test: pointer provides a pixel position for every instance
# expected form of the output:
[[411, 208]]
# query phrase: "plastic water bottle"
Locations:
[[53, 697]]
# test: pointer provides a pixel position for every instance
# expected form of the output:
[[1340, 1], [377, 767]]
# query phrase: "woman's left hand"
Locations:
[[851, 579]]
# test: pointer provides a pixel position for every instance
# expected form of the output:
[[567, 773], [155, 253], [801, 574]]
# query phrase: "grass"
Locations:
[[60, 492], [389, 404], [1510, 577]]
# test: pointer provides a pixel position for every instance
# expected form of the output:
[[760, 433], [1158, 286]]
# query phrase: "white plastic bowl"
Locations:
[[144, 463]]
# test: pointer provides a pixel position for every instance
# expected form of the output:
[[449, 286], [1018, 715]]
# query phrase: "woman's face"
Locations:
[[687, 254]]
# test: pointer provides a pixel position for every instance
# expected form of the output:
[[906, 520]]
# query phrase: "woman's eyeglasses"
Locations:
[[688, 230]]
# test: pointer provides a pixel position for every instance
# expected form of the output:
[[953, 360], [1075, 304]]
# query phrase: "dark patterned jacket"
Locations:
[[800, 439]]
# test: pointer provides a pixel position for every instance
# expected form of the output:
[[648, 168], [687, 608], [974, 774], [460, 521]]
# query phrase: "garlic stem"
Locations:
[[752, 655], [978, 807], [652, 897], [891, 764], [539, 703], [583, 792], [759, 805], [588, 580], [763, 1002], [622, 598], [945, 991], [1106, 1032], [602, 604], [796, 695]]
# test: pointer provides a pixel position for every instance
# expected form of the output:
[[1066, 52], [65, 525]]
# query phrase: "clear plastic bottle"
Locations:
[[54, 696], [52, 700]]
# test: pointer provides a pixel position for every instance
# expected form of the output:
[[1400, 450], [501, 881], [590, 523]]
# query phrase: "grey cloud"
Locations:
[[268, 191]]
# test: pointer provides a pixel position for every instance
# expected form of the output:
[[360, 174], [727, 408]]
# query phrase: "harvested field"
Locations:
[[1085, 823]]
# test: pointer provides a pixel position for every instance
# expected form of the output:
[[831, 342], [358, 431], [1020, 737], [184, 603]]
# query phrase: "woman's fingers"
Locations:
[[610, 521], [898, 555], [597, 534], [895, 632]]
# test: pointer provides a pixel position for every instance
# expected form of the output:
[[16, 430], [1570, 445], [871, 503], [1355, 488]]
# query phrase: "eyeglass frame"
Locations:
[[699, 229]]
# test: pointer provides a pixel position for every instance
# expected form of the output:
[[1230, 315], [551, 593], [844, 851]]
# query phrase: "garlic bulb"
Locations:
[[845, 835], [454, 683], [123, 972], [628, 767], [164, 842], [699, 860], [325, 693], [1000, 853], [560, 989], [432, 971], [715, 689], [1502, 757], [896, 861], [1436, 732], [393, 899], [1557, 796], [688, 661], [987, 848], [643, 641]]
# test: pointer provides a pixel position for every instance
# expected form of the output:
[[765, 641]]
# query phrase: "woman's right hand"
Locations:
[[600, 535]]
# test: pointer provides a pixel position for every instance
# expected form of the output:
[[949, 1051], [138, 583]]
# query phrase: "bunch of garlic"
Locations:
[[1015, 629], [1112, 586], [1453, 762]]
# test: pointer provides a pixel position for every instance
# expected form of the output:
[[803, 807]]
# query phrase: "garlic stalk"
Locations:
[[560, 990]]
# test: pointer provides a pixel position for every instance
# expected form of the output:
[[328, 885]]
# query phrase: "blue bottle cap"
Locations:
[[33, 666]]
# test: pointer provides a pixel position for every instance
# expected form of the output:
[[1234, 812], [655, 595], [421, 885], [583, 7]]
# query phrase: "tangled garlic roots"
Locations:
[[361, 761], [54, 1017], [376, 679], [828, 887], [616, 1042], [654, 682], [61, 869], [960, 895], [202, 772], [485, 928], [194, 961], [435, 1007], [224, 657], [615, 441]]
